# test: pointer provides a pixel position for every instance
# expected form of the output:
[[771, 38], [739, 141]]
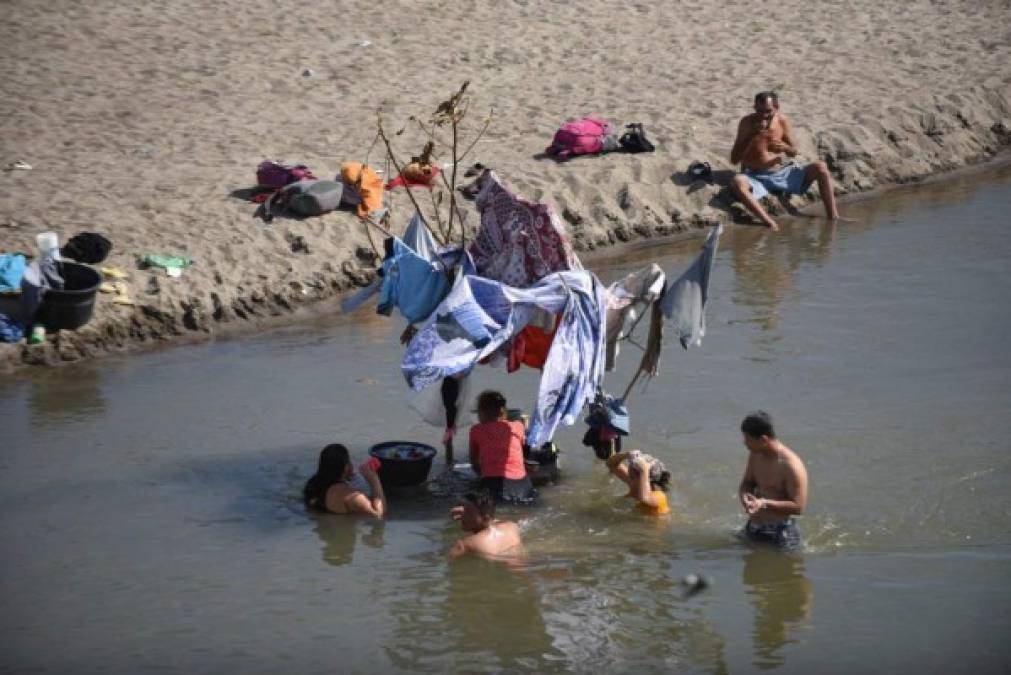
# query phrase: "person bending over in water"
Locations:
[[331, 489], [496, 451], [646, 479], [762, 137], [774, 486], [488, 537]]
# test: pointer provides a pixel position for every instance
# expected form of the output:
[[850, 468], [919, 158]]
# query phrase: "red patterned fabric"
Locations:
[[499, 447], [519, 241], [401, 180]]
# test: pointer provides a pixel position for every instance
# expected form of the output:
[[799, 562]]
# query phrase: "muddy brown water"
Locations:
[[151, 519]]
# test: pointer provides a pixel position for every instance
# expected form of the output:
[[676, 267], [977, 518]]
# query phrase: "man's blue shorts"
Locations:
[[789, 179]]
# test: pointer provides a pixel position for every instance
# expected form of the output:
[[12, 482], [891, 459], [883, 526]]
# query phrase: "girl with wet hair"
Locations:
[[330, 490], [646, 478]]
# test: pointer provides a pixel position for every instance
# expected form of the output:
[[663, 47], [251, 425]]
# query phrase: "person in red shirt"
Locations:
[[496, 451]]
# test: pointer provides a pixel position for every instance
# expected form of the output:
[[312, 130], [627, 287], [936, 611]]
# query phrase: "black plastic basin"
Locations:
[[70, 308], [403, 471]]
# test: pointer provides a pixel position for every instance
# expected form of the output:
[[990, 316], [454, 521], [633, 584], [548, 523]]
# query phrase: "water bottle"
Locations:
[[49, 246]]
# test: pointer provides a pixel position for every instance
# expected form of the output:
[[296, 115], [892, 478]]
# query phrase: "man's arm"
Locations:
[[796, 491], [745, 491], [744, 137]]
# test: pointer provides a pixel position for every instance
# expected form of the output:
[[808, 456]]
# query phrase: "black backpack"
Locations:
[[634, 140]]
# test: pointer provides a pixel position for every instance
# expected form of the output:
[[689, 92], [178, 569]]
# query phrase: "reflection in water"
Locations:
[[782, 597], [74, 394], [479, 615], [764, 264], [339, 534]]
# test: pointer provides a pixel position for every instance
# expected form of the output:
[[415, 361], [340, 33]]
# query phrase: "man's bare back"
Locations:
[[491, 538], [501, 539]]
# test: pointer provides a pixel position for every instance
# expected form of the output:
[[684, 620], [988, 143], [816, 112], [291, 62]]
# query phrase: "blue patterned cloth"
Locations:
[[479, 315], [414, 276]]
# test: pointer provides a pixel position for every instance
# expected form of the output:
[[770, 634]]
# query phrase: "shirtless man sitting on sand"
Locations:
[[762, 137], [774, 487], [490, 538]]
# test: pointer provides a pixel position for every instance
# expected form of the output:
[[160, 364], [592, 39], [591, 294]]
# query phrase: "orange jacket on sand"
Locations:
[[370, 188]]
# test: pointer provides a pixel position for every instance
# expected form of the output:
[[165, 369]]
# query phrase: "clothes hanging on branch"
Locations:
[[684, 300], [625, 299], [479, 315], [519, 242]]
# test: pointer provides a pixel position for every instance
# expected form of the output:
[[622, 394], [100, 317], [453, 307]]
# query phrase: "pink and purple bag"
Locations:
[[277, 174], [581, 137]]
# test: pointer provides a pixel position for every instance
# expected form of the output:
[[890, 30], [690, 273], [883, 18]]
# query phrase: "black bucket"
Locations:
[[71, 307], [403, 463]]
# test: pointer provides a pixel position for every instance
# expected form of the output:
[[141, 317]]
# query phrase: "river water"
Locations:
[[151, 517]]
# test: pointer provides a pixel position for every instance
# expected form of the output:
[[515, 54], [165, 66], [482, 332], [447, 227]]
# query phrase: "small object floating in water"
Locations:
[[18, 166], [694, 584]]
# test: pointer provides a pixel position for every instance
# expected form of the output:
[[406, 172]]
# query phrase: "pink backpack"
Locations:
[[581, 137], [277, 175]]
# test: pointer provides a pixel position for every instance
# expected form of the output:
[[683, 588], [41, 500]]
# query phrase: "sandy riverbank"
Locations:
[[139, 122]]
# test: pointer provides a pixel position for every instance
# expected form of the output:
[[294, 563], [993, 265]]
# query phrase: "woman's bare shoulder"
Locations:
[[337, 497]]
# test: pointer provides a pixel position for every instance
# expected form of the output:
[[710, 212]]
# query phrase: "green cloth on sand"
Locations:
[[166, 261]]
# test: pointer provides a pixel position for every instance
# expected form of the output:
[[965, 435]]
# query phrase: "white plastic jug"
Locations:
[[49, 245]]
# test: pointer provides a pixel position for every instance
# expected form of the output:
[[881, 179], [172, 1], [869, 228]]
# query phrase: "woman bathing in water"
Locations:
[[333, 490], [646, 479]]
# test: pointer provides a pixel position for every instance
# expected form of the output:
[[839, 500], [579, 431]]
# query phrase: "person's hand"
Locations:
[[369, 474], [408, 334], [753, 504], [456, 513]]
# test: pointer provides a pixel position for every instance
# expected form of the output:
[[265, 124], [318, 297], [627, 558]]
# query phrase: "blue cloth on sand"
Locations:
[[479, 315], [12, 268], [789, 179]]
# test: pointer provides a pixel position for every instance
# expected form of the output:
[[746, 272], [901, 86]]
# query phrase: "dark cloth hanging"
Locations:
[[87, 247]]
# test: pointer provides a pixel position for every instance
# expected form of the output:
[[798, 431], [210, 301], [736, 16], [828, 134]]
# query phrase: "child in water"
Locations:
[[646, 479], [487, 536], [496, 451]]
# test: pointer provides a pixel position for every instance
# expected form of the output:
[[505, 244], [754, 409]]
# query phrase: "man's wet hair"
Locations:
[[758, 424], [483, 502], [762, 95]]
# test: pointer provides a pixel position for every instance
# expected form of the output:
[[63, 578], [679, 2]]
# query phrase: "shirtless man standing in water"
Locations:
[[488, 537], [774, 487], [762, 137]]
